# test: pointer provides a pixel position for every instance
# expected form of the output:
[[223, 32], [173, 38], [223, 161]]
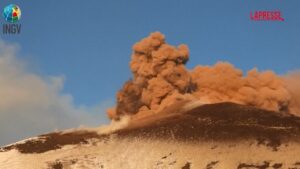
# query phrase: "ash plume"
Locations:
[[160, 78]]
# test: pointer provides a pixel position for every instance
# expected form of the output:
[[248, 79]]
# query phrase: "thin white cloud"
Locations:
[[32, 104]]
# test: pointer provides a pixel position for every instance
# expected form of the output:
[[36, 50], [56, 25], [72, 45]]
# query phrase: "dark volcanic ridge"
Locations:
[[223, 122], [53, 141]]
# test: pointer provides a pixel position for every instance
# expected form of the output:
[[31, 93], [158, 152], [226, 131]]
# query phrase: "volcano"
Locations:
[[169, 117], [185, 135]]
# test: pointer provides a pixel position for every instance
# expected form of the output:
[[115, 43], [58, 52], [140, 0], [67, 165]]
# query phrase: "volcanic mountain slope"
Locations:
[[183, 136]]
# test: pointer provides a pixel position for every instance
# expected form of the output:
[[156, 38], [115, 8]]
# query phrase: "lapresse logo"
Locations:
[[11, 14]]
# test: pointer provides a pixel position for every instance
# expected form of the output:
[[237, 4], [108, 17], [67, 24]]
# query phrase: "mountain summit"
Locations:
[[185, 136]]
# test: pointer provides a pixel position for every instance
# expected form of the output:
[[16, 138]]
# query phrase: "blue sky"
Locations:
[[89, 42]]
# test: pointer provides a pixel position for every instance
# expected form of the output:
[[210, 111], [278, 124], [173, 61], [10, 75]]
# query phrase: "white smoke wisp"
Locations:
[[114, 125]]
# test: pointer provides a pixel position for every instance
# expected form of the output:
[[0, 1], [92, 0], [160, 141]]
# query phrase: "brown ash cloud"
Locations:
[[159, 78]]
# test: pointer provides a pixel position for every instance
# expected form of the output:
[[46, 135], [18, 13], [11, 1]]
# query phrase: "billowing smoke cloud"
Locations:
[[32, 104], [160, 78], [223, 82], [158, 72]]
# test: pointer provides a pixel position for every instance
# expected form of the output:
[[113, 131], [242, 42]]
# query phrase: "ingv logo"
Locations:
[[12, 14]]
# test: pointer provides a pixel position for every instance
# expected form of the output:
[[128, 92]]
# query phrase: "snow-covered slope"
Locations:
[[223, 135]]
